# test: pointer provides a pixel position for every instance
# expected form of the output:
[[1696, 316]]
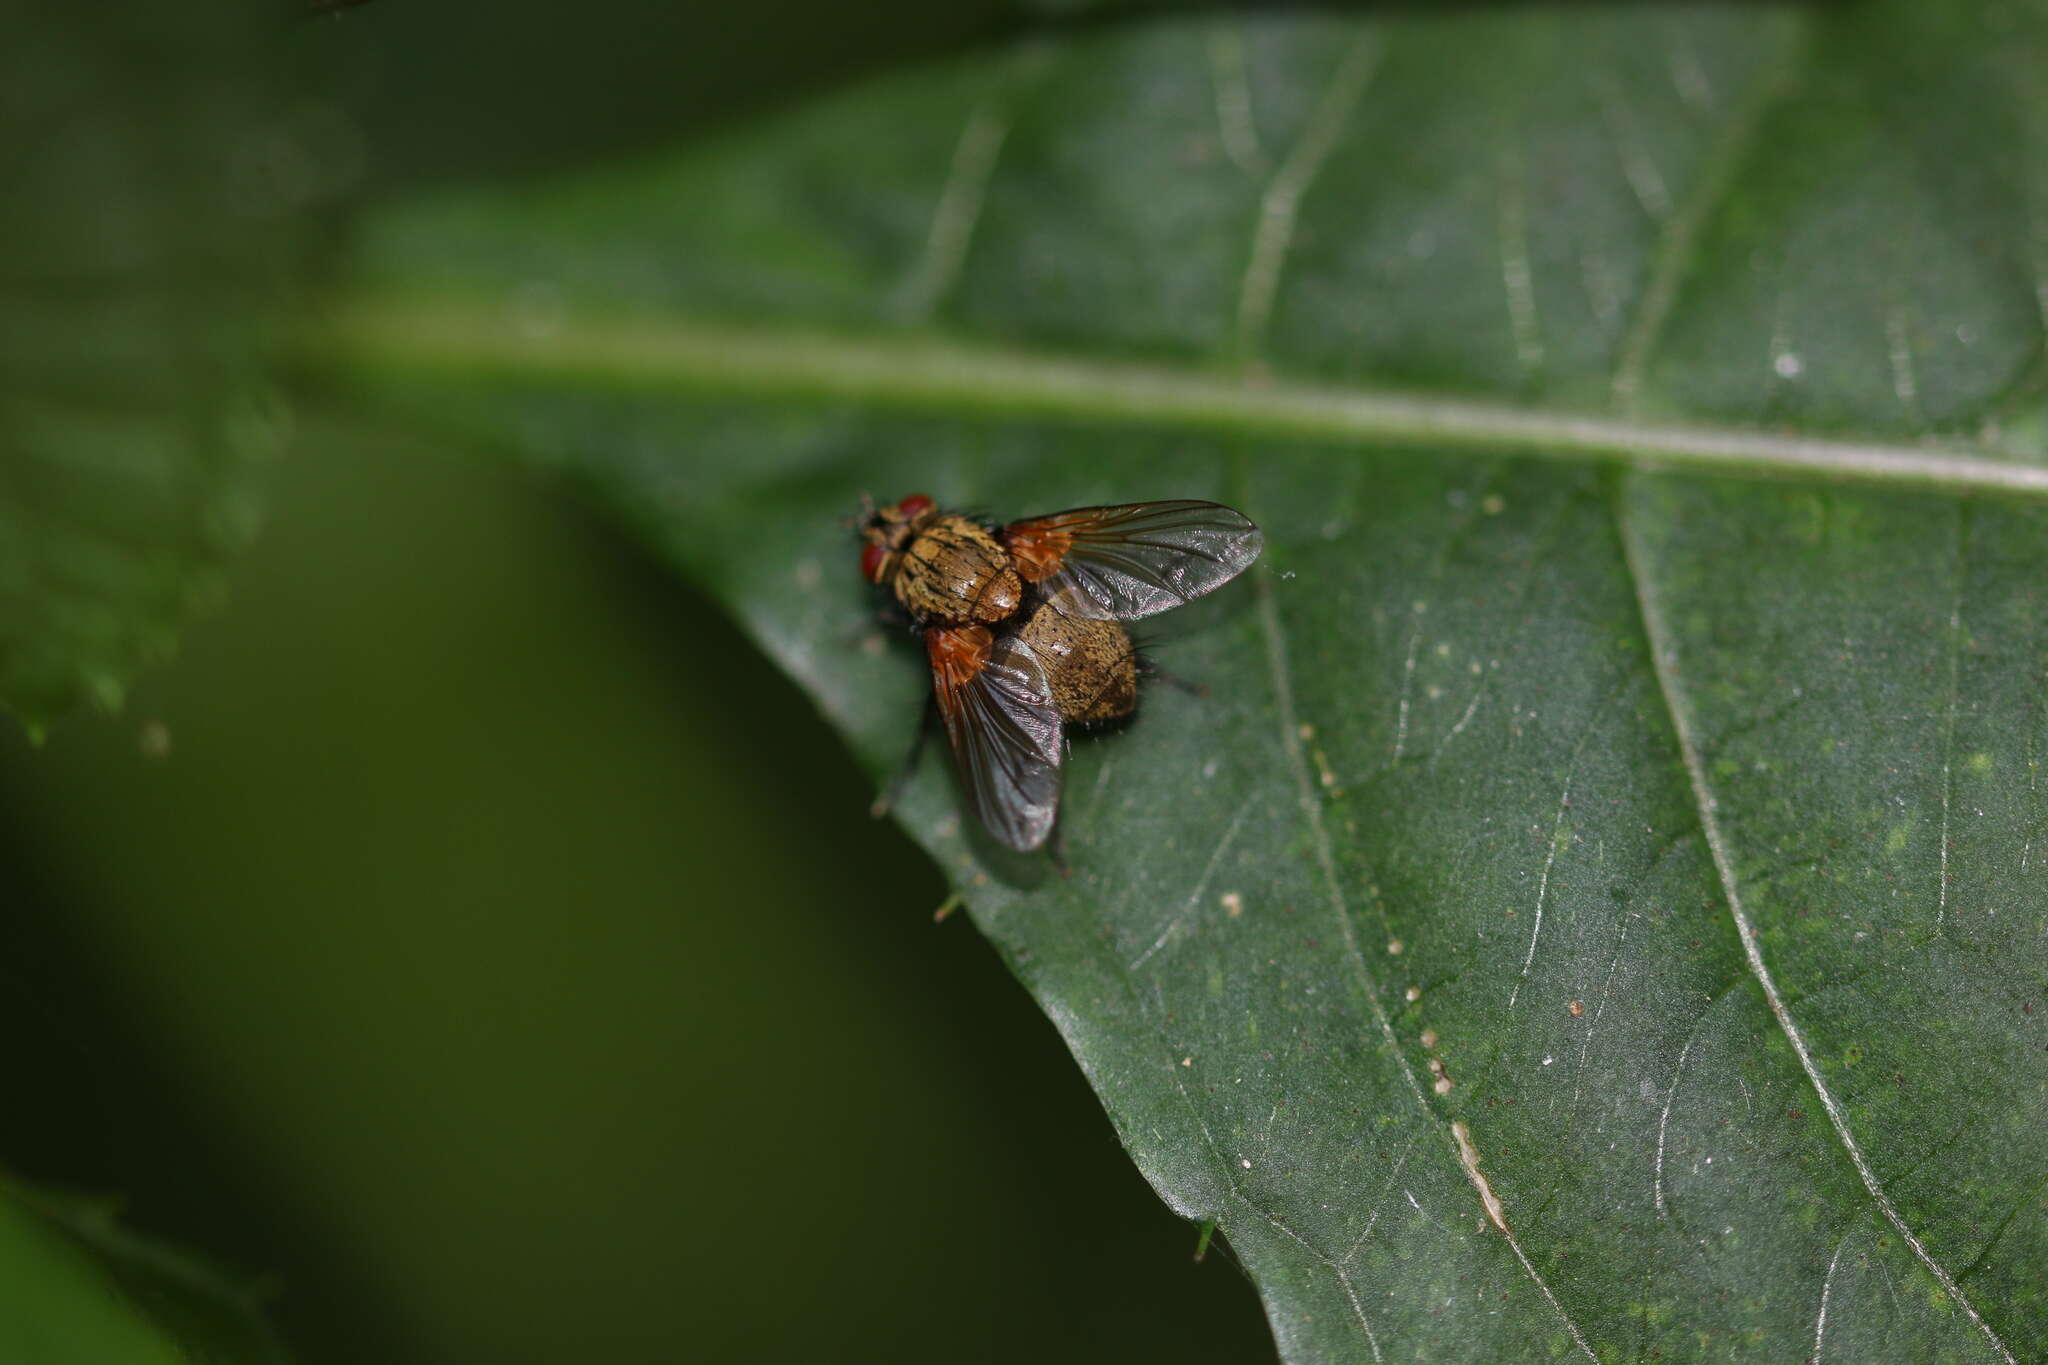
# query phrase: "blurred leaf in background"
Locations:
[[518, 88], [153, 196], [80, 1283], [55, 1308]]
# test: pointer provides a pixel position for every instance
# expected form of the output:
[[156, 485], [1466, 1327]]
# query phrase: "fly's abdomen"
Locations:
[[1089, 664]]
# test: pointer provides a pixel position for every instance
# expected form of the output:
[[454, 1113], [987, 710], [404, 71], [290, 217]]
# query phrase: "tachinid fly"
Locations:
[[1023, 626]]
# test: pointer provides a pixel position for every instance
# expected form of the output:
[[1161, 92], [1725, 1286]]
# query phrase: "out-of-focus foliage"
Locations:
[[77, 1285], [152, 189]]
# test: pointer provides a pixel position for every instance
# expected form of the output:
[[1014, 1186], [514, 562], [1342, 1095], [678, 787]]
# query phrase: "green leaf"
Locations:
[[1597, 910], [146, 206], [77, 1287]]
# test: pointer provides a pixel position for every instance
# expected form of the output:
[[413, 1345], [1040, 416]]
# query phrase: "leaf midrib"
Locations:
[[410, 334]]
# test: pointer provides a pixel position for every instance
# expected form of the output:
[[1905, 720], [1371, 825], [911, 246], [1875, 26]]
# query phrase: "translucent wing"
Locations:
[[1121, 563], [1004, 729]]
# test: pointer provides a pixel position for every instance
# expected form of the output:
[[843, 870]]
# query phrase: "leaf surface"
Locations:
[[1596, 911]]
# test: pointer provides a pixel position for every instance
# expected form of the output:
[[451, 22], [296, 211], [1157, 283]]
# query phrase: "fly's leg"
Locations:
[[886, 800], [1056, 848], [1153, 670]]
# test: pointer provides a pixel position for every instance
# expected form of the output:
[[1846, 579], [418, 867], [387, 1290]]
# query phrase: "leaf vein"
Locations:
[[1820, 1320], [1230, 82], [1517, 273], [1663, 663], [1948, 727], [1319, 835], [1312, 811], [1274, 235], [957, 213], [1680, 230]]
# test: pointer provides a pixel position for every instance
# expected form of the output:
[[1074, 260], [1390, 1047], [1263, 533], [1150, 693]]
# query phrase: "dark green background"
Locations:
[[501, 959]]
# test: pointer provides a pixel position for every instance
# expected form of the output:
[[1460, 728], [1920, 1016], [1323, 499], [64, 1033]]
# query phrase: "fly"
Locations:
[[1023, 627]]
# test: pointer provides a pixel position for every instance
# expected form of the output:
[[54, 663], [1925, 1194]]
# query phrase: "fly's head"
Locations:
[[886, 531]]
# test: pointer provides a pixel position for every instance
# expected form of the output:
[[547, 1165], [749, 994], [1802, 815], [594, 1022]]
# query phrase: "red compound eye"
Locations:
[[871, 557], [914, 505]]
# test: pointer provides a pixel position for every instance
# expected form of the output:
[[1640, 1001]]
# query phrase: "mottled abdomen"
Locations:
[[1089, 664], [953, 570]]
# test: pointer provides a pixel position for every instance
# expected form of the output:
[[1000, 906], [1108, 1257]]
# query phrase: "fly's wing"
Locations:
[[1121, 563], [1005, 733]]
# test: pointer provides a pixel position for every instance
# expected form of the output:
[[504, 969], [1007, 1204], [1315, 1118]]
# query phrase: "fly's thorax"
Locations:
[[1090, 665], [953, 569]]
